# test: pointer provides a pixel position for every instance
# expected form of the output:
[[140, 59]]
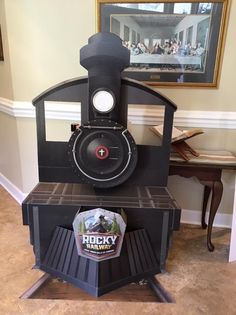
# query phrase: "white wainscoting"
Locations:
[[194, 217], [136, 115]]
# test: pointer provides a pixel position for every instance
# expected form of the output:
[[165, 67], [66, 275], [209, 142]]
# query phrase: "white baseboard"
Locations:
[[14, 191], [194, 217]]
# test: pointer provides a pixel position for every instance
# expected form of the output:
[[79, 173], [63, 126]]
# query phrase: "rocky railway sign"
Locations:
[[99, 233]]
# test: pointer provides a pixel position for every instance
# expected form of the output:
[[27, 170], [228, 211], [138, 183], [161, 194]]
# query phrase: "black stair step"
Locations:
[[136, 261]]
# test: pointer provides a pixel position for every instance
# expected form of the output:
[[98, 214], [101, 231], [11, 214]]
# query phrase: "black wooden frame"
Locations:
[[53, 162]]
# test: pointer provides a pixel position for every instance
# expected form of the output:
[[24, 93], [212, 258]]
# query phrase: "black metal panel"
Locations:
[[48, 218], [126, 196], [152, 167], [135, 92], [74, 90], [150, 208], [105, 57], [98, 278]]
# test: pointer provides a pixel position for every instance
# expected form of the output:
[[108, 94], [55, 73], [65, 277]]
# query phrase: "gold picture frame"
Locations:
[[172, 43], [1, 47]]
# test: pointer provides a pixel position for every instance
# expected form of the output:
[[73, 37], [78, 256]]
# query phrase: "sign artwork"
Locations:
[[99, 233]]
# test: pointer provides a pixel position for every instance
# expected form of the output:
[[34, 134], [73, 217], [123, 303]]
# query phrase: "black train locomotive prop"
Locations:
[[101, 167]]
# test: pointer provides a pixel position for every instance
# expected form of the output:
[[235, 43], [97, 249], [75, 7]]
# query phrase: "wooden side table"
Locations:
[[207, 168]]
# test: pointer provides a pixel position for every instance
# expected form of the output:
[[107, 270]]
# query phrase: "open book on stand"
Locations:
[[178, 140]]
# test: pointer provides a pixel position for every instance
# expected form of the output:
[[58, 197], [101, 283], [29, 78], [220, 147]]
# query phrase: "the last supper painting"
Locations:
[[170, 42]]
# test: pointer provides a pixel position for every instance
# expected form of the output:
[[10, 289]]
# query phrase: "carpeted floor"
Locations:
[[200, 282]]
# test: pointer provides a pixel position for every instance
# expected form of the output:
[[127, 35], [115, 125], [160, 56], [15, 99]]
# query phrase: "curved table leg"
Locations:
[[207, 191], [217, 191]]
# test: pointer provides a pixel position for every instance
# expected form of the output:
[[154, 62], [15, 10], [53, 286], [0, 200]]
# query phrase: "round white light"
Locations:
[[103, 101]]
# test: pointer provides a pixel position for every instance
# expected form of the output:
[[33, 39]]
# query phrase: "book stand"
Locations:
[[178, 140], [184, 150]]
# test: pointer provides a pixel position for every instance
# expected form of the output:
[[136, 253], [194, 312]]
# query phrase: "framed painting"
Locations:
[[171, 43]]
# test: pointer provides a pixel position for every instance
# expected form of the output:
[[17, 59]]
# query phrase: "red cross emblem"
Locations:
[[101, 152]]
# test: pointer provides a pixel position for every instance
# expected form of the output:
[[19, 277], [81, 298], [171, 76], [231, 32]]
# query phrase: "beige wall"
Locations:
[[189, 193], [221, 99], [5, 69], [45, 38], [18, 158], [211, 139], [44, 41], [215, 139], [10, 159], [27, 140]]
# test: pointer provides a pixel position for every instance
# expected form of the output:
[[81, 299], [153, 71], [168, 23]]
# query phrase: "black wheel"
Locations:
[[102, 153]]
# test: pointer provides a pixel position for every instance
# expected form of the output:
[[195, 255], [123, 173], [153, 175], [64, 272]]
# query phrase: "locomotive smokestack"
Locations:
[[105, 58], [106, 53]]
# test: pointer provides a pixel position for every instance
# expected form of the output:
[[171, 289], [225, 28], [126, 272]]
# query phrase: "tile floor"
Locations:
[[200, 282]]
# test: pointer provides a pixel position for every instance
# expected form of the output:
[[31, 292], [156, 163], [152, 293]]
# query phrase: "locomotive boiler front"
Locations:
[[102, 152]]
